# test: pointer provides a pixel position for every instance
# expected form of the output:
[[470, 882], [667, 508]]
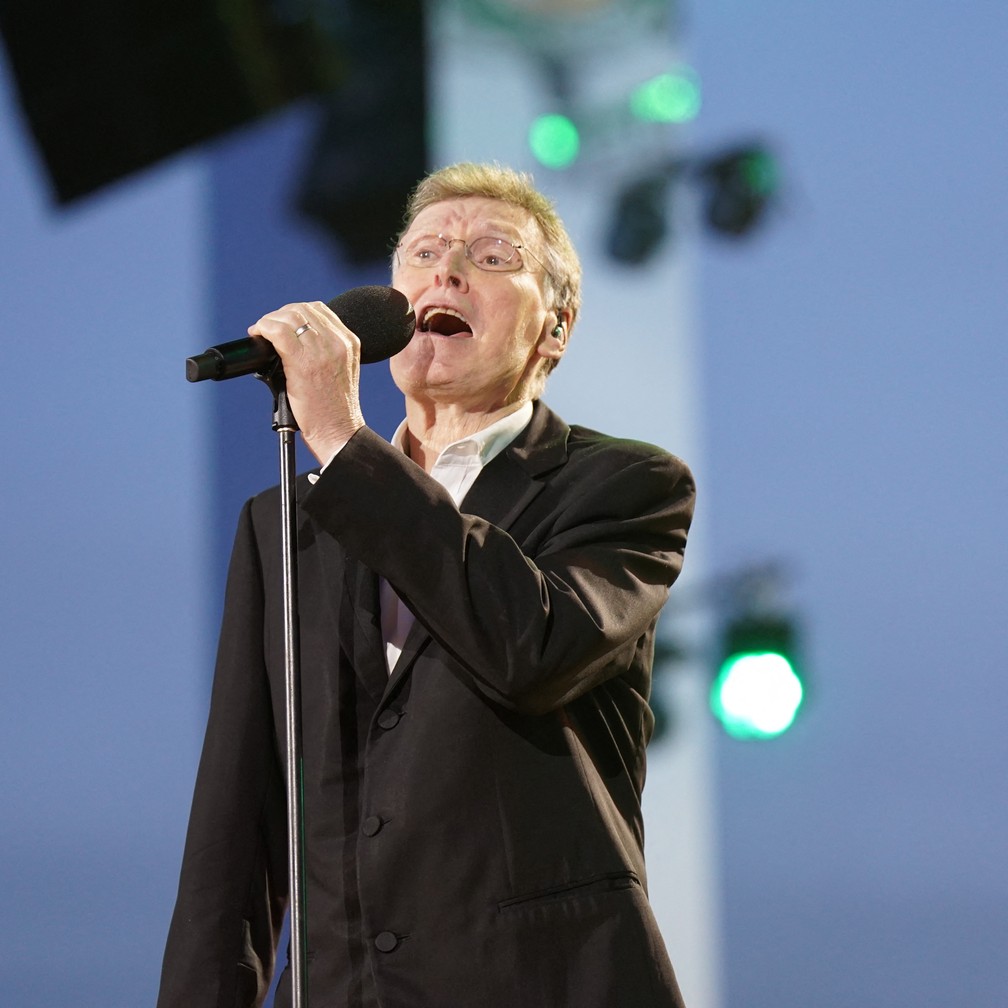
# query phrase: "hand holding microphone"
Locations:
[[321, 348], [381, 318]]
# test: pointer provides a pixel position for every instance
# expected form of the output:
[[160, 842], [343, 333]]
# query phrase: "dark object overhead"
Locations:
[[113, 87]]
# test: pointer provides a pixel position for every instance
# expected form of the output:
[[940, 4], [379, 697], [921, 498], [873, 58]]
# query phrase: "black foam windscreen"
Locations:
[[381, 317]]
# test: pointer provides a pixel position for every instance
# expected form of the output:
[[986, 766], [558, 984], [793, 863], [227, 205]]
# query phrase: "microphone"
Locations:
[[381, 317]]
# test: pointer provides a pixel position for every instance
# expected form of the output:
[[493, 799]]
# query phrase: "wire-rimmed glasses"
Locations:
[[488, 252]]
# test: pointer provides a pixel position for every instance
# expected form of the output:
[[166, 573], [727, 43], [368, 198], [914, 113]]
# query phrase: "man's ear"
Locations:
[[554, 339]]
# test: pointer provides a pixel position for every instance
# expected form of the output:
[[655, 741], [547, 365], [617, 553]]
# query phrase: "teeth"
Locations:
[[439, 310]]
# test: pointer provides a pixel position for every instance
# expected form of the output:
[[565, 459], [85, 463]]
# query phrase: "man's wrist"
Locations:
[[326, 447]]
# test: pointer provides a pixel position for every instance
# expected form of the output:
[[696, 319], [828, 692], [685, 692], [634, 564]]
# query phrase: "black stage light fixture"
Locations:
[[740, 185], [113, 87], [639, 220]]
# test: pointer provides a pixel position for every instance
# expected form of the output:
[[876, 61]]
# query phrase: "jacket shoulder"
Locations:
[[607, 453], [584, 445]]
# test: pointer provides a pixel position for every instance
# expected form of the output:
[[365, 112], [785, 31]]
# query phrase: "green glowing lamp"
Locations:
[[758, 690], [668, 98], [554, 141]]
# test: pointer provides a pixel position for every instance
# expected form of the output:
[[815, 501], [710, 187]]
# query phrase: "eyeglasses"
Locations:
[[495, 255]]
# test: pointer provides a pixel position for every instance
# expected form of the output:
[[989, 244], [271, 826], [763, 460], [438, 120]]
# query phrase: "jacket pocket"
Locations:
[[595, 884]]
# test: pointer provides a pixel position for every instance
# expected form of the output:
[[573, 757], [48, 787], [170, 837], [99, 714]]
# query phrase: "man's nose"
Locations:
[[453, 270]]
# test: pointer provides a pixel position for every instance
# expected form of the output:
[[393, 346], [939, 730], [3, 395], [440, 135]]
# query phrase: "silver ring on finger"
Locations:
[[302, 329]]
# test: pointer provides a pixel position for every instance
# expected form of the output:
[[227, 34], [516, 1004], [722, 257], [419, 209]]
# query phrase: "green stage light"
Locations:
[[741, 184], [667, 98], [554, 141], [758, 691], [760, 171]]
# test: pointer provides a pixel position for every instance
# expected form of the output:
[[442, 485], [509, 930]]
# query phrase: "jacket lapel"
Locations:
[[502, 491], [513, 479]]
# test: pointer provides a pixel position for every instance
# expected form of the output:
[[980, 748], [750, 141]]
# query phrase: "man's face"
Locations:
[[483, 360]]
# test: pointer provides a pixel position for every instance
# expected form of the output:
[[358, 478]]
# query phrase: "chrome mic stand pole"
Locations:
[[286, 427]]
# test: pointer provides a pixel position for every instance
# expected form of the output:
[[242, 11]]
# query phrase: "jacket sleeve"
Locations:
[[536, 623], [233, 885]]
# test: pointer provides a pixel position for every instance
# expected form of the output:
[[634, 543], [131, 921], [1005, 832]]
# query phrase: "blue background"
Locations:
[[857, 421]]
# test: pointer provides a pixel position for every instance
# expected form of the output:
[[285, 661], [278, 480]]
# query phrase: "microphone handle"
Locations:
[[232, 360]]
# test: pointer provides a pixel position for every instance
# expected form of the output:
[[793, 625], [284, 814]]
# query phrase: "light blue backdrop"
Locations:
[[855, 398]]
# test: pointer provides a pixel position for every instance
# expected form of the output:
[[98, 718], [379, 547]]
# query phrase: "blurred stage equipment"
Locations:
[[616, 99], [736, 188], [758, 690], [109, 89], [757, 681], [571, 24], [371, 145], [739, 185], [114, 87]]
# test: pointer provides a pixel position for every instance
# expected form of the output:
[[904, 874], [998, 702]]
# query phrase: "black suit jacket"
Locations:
[[474, 834]]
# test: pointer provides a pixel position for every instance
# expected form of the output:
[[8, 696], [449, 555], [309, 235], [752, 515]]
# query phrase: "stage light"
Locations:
[[639, 221], [667, 98], [740, 185], [554, 141], [758, 689]]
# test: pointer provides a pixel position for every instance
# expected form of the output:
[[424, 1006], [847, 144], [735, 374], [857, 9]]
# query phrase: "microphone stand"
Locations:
[[286, 427]]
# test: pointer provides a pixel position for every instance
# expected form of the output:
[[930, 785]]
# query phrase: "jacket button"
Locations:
[[371, 825], [386, 941], [388, 719]]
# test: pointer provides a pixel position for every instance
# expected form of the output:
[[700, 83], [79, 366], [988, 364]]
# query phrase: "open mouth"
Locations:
[[444, 322]]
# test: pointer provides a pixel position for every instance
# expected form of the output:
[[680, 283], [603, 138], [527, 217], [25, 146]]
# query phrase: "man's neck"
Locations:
[[431, 427]]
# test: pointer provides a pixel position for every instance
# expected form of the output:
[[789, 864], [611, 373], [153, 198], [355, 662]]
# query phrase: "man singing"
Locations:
[[478, 602]]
